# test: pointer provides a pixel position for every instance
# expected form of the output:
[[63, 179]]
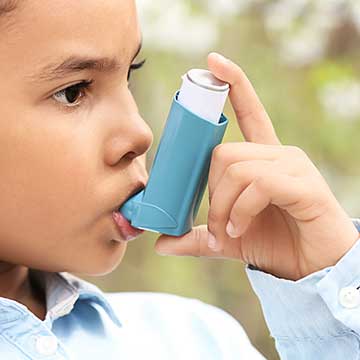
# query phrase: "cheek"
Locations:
[[48, 177], [49, 214]]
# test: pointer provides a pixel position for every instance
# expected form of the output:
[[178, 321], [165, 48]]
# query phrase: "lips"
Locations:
[[127, 231]]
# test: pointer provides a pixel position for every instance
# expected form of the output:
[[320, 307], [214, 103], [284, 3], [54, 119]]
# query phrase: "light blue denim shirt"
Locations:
[[84, 323], [317, 317]]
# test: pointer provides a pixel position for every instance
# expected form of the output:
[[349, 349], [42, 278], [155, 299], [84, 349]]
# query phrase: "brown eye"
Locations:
[[70, 96]]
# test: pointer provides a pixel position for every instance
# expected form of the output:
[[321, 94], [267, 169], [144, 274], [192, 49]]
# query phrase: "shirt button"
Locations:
[[349, 297], [46, 345]]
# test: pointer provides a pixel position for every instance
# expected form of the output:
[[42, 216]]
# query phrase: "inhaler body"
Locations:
[[178, 177]]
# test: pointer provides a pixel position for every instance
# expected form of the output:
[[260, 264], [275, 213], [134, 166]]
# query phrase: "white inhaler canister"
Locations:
[[203, 94]]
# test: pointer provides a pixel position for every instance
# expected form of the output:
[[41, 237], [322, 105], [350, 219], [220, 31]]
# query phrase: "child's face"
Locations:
[[65, 169]]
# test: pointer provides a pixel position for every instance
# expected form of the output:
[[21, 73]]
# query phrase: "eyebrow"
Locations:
[[75, 64]]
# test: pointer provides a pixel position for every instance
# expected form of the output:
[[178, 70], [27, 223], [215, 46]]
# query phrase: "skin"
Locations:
[[65, 169], [57, 215], [284, 219]]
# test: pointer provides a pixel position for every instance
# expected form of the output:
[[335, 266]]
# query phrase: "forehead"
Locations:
[[45, 30]]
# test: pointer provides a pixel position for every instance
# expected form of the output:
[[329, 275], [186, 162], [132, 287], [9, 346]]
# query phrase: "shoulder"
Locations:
[[186, 317], [169, 304]]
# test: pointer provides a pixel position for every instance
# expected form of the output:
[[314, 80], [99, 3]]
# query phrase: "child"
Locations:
[[73, 150]]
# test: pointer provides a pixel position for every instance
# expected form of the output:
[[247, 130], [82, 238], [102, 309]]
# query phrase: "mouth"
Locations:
[[126, 230]]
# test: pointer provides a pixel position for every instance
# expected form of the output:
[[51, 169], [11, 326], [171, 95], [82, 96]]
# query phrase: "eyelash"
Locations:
[[85, 85], [134, 67]]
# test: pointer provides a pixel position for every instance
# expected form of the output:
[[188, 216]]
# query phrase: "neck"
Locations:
[[15, 284], [14, 280]]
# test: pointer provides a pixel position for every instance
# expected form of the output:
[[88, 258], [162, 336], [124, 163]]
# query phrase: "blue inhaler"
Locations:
[[179, 174]]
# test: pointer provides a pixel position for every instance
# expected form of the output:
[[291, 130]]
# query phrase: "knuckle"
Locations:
[[277, 165], [219, 152], [213, 217], [258, 108], [260, 182], [233, 172], [222, 153]]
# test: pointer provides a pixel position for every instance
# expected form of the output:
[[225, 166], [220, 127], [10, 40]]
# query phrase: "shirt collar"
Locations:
[[63, 289]]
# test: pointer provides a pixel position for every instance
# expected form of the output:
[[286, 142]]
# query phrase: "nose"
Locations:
[[130, 139]]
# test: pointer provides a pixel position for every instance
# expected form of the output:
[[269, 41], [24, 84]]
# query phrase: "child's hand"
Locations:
[[285, 219]]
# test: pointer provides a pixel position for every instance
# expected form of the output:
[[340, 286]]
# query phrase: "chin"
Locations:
[[105, 262]]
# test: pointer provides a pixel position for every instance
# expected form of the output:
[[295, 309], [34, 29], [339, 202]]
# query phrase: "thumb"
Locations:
[[193, 243]]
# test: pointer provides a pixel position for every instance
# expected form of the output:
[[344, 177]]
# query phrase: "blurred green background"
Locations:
[[301, 57]]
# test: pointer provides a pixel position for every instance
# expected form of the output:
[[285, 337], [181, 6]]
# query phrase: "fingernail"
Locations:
[[231, 230], [213, 243]]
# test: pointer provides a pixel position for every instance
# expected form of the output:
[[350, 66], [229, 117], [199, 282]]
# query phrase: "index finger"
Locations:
[[253, 120]]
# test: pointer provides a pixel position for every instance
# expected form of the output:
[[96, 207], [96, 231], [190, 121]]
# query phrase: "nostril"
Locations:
[[130, 155]]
